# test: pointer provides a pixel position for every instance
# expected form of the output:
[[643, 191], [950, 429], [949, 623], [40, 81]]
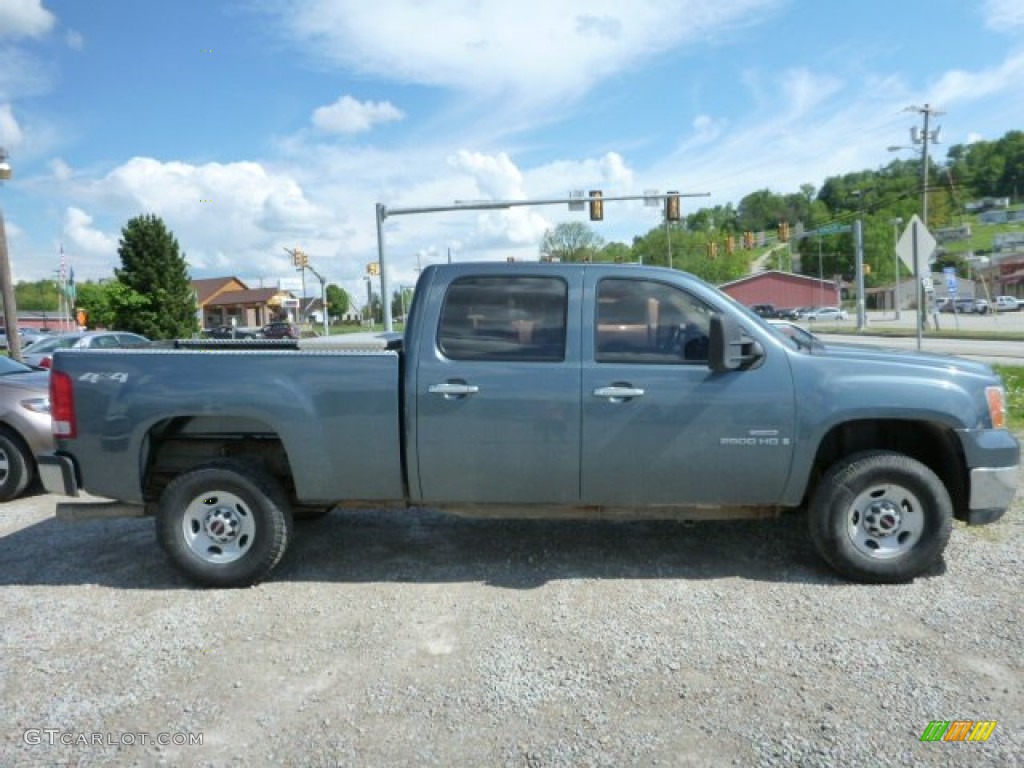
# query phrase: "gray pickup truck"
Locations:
[[537, 390]]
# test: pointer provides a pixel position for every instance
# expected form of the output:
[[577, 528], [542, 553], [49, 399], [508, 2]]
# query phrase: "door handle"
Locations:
[[451, 389], [617, 394]]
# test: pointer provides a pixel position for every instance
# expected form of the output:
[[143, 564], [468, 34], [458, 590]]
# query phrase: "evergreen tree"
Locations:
[[157, 299]]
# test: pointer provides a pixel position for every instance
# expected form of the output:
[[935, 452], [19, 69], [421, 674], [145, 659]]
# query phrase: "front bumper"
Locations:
[[58, 475], [992, 492]]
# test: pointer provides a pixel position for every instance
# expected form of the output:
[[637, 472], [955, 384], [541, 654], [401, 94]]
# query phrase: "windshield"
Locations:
[[48, 345], [9, 366]]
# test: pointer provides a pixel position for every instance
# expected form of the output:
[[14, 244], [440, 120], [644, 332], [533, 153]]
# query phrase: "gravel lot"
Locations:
[[412, 639]]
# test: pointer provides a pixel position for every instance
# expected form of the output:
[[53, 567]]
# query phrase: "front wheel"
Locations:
[[880, 517], [224, 524]]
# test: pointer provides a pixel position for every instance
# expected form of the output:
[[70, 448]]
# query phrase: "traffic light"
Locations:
[[672, 207], [373, 268], [596, 205], [299, 258], [867, 269]]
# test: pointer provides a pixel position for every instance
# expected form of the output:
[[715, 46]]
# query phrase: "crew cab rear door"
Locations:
[[497, 403], [660, 427]]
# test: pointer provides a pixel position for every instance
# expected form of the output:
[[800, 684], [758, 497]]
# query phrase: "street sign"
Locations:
[[925, 246], [831, 229], [950, 273]]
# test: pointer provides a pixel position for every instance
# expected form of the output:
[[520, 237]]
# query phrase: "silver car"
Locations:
[[24, 425], [40, 354]]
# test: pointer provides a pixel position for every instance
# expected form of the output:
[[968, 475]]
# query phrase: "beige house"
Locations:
[[229, 301]]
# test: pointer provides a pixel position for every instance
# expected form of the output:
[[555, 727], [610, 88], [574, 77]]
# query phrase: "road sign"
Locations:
[[950, 273], [831, 229], [925, 246]]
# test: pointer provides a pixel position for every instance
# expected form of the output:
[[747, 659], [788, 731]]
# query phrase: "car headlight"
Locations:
[[37, 404]]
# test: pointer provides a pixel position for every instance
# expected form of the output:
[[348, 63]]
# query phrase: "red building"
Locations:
[[783, 289]]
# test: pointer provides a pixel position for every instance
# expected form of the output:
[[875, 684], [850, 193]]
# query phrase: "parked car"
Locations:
[[24, 424], [965, 306], [1008, 304], [231, 332], [803, 338], [827, 313], [281, 330], [945, 304], [40, 354], [764, 310], [26, 335], [981, 307], [788, 313]]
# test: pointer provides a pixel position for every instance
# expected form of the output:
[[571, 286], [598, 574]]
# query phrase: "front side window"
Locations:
[[643, 321], [504, 318]]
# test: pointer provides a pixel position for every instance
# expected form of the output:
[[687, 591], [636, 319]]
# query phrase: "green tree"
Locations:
[[93, 299], [338, 301], [38, 296], [156, 297], [616, 252], [401, 299], [571, 241]]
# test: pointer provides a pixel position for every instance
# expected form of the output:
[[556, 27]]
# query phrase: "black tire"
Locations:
[[224, 524], [880, 517], [16, 467]]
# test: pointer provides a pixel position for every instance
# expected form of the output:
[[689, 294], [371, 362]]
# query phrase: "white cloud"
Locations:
[[347, 115], [79, 230], [535, 51], [74, 40], [61, 170], [496, 177], [24, 18], [962, 86], [1001, 15], [10, 131]]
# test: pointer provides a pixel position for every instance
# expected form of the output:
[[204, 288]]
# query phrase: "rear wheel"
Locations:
[[224, 524], [880, 517], [16, 468]]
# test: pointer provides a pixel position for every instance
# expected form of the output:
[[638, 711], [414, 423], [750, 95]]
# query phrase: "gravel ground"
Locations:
[[392, 638]]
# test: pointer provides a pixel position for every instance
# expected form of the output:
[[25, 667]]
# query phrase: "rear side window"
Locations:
[[504, 318]]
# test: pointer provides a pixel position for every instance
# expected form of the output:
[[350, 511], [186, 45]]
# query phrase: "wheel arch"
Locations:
[[934, 445], [181, 443]]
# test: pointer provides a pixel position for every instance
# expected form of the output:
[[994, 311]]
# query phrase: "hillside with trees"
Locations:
[[709, 241]]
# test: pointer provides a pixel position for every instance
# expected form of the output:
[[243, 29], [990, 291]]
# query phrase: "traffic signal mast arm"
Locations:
[[472, 205], [383, 212]]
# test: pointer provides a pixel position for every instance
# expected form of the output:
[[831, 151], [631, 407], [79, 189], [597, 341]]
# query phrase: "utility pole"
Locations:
[[924, 138], [6, 286]]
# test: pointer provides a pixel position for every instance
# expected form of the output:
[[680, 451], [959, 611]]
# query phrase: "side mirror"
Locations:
[[729, 348]]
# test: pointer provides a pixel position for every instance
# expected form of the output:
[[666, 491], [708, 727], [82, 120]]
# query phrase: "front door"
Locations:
[[659, 427]]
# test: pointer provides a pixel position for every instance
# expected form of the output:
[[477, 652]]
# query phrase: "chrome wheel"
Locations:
[[218, 527], [885, 521]]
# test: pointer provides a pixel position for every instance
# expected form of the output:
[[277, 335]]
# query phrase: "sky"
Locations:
[[255, 126]]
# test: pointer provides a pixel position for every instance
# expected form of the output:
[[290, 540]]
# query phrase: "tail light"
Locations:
[[46, 362], [62, 406]]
